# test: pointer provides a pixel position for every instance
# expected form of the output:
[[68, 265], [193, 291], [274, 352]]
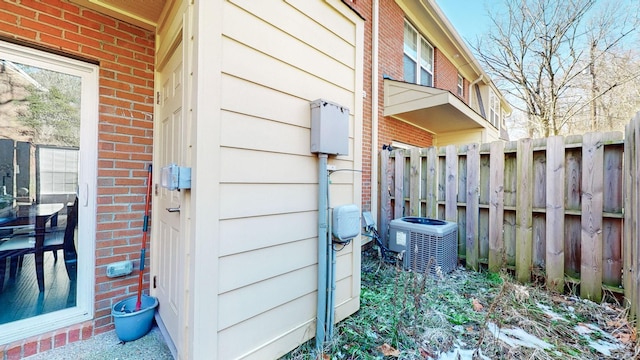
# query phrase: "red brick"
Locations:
[[118, 33], [81, 39], [14, 352], [130, 29], [58, 22], [14, 9], [13, 31], [99, 18], [8, 18], [99, 54], [30, 347], [59, 43], [82, 21], [42, 7], [60, 339], [74, 334], [40, 27], [87, 331], [45, 343]]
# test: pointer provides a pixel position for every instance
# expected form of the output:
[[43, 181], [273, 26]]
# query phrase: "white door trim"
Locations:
[[87, 181]]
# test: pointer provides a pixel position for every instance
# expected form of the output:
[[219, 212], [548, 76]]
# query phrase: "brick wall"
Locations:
[[391, 53], [364, 8], [446, 75], [126, 59]]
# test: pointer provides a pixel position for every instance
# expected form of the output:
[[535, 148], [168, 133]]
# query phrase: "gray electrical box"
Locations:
[[346, 222], [329, 128]]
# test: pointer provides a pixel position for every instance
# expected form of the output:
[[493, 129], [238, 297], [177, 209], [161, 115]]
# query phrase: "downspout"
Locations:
[[374, 110], [323, 245], [471, 87]]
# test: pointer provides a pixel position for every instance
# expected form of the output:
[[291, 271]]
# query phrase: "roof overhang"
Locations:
[[141, 13], [432, 109]]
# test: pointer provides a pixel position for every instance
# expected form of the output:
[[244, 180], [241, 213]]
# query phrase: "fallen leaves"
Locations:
[[476, 305], [388, 350]]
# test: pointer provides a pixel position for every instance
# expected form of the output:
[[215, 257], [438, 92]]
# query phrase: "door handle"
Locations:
[[175, 209]]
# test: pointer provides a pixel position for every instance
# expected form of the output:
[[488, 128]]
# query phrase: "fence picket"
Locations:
[[591, 220], [635, 204], [385, 196], [473, 205], [628, 249], [432, 183], [496, 206], [612, 203], [398, 193], [451, 187], [555, 213], [524, 215], [567, 206], [414, 182]]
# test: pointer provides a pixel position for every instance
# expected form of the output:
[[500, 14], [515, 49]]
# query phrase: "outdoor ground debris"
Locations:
[[472, 315]]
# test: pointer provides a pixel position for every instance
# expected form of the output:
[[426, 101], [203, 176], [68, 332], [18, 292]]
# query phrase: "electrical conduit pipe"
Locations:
[[323, 245]]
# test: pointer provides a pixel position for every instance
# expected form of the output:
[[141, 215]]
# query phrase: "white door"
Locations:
[[168, 244]]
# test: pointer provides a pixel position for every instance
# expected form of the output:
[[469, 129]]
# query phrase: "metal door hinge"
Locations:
[[158, 97], [154, 281]]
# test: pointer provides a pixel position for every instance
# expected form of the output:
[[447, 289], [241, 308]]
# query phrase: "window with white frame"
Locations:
[[418, 57], [460, 85], [494, 109]]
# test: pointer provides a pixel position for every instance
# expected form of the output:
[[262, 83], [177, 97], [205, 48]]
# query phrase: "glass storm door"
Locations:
[[48, 119]]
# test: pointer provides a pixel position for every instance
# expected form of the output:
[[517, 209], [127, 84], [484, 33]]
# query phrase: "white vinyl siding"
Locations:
[[268, 235], [418, 57]]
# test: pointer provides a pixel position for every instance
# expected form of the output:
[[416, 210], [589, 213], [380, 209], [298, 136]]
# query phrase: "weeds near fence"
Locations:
[[408, 315]]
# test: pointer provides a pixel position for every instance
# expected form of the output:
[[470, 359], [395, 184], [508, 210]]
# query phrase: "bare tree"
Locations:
[[547, 54]]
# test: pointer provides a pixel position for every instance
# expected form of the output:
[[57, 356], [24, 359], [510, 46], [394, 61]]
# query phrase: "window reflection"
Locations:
[[39, 154]]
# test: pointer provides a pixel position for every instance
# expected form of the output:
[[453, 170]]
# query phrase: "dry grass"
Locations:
[[472, 315]]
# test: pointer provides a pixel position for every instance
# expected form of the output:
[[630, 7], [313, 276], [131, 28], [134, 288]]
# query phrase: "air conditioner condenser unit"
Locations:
[[428, 244]]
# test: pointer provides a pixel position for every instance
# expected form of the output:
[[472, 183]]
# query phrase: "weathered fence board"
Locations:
[[496, 207], [555, 213], [398, 191], [451, 185], [414, 182], [591, 220], [524, 213], [473, 205], [432, 184], [563, 208], [635, 217], [629, 250], [385, 196]]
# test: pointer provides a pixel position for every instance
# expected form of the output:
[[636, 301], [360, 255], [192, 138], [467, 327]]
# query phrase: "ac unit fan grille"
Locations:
[[428, 252]]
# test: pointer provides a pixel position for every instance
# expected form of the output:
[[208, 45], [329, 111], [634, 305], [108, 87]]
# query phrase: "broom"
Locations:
[[143, 249]]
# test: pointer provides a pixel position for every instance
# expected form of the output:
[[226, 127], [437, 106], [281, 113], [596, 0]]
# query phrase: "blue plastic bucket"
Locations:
[[131, 324]]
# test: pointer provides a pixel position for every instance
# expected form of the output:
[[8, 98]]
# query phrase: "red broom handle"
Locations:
[[143, 250]]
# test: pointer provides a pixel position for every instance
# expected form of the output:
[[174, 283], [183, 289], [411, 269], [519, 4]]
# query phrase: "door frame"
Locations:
[[87, 183], [175, 36]]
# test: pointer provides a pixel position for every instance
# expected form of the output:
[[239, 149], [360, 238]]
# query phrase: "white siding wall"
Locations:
[[277, 56]]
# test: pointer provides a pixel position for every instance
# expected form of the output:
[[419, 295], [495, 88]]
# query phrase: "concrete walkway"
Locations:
[[107, 346]]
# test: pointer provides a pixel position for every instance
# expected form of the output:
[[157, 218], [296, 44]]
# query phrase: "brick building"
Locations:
[[423, 84], [223, 87], [210, 85]]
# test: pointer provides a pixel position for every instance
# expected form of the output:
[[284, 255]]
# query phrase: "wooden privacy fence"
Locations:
[[563, 208]]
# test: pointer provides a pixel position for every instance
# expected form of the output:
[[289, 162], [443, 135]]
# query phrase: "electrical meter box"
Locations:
[[345, 223], [329, 128], [174, 177]]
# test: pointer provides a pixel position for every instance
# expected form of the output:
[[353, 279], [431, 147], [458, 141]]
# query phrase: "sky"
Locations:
[[468, 17]]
